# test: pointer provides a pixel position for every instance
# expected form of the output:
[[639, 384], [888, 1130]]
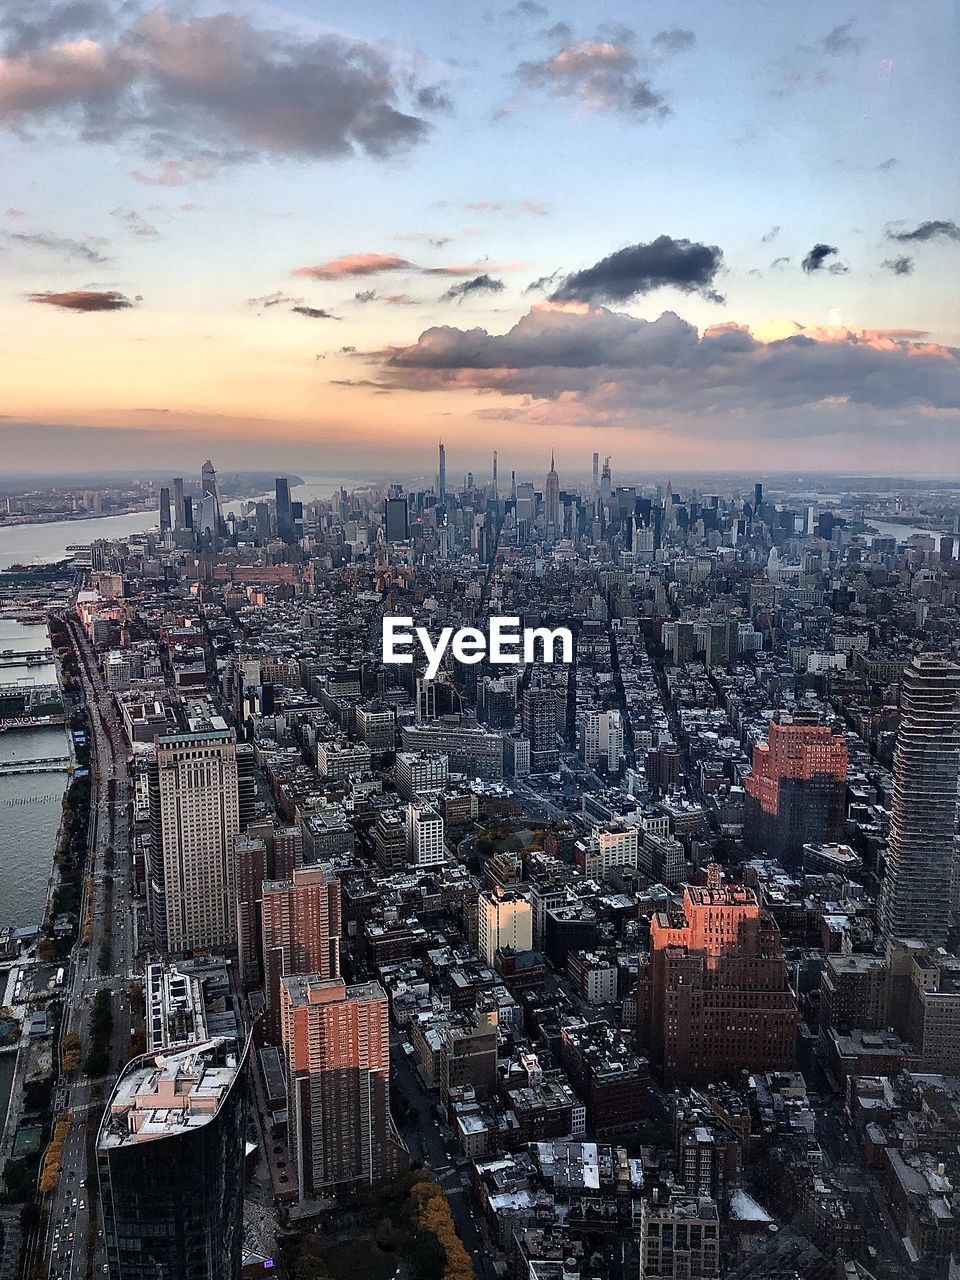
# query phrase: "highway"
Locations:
[[73, 1248]]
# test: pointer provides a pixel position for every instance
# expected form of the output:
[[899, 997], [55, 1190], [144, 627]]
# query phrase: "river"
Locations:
[[47, 543]]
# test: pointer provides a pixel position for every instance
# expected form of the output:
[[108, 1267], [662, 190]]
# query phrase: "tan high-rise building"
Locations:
[[194, 817], [505, 921], [301, 933], [336, 1049]]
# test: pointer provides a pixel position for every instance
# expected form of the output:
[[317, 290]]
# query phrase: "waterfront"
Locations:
[[47, 543]]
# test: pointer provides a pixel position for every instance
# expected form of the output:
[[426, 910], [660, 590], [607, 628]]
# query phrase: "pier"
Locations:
[[43, 764]]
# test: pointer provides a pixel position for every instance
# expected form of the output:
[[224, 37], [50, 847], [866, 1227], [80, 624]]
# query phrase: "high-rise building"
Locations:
[[551, 502], [505, 921], [395, 523], [170, 1159], [284, 510], [442, 475], [250, 855], [796, 792], [426, 699], [601, 739], [301, 933], [719, 995], [922, 855], [164, 508], [194, 817], [540, 727], [336, 1050], [211, 515], [426, 846], [178, 516]]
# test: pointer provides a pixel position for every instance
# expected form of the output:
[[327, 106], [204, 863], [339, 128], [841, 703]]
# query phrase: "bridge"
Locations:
[[32, 658], [43, 764]]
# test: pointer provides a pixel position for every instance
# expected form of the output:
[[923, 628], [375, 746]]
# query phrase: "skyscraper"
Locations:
[[719, 995], [336, 1050], [442, 475], [194, 816], [921, 860], [211, 516], [395, 526], [178, 516], [551, 502], [164, 508], [301, 933], [284, 510], [505, 920], [170, 1159], [796, 793], [540, 726]]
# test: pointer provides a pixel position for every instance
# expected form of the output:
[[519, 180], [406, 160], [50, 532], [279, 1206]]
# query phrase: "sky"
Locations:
[[329, 235]]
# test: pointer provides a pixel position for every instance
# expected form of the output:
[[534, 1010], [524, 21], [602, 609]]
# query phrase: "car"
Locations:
[[73, 1203]]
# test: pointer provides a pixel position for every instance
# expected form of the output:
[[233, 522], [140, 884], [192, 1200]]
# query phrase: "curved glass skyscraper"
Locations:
[[170, 1156]]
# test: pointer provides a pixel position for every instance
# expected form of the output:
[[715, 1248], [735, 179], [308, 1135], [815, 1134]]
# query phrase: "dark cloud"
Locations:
[[542, 283], [31, 26], [779, 264], [78, 249], [817, 256], [675, 40], [602, 74], [84, 300], [433, 97], [347, 351], [597, 367], [939, 228], [899, 266], [313, 313], [840, 41], [365, 295], [641, 268], [771, 235], [479, 284], [210, 88], [888, 164], [527, 9]]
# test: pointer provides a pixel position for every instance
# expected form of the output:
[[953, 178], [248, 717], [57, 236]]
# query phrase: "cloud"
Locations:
[[838, 269], [542, 283], [216, 87], [365, 295], [78, 249], [817, 256], [601, 75], [135, 223], [939, 228], [527, 9], [899, 266], [177, 173], [581, 365], [479, 284], [392, 299], [471, 268], [313, 313], [426, 237], [771, 235], [433, 97], [779, 264], [276, 299], [641, 268], [355, 264], [886, 165], [675, 40], [15, 213], [84, 300], [839, 41]]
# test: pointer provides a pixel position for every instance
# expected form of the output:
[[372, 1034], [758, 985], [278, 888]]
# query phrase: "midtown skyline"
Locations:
[[324, 242]]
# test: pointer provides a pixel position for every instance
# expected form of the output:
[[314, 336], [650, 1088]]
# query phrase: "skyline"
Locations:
[[322, 244]]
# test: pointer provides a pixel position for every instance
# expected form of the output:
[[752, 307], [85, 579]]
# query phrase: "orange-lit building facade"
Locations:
[[301, 933], [336, 1050], [796, 793], [718, 1001]]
